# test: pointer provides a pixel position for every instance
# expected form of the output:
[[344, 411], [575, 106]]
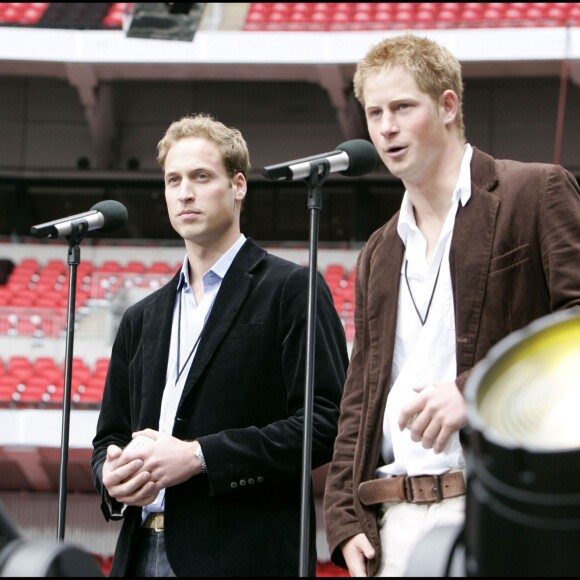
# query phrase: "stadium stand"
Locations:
[[37, 293], [72, 15], [340, 16], [314, 16]]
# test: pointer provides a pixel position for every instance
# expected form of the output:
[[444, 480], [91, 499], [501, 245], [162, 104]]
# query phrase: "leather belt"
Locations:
[[155, 521], [412, 489]]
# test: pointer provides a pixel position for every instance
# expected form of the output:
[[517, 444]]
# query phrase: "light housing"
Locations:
[[523, 453]]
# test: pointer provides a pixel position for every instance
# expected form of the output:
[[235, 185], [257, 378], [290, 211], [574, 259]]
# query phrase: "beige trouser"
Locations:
[[402, 525]]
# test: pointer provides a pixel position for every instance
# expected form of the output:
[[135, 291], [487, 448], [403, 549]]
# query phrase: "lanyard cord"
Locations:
[[423, 320], [179, 372]]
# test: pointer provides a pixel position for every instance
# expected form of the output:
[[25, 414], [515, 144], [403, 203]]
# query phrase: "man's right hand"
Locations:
[[125, 481], [356, 552]]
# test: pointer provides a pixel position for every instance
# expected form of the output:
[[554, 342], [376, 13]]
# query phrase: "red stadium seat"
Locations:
[[159, 268], [256, 20], [92, 391], [90, 396], [5, 295], [33, 390], [134, 266], [29, 264], [17, 362], [101, 367], [52, 300], [110, 266], [335, 270], [340, 19], [116, 13], [8, 387], [44, 362]]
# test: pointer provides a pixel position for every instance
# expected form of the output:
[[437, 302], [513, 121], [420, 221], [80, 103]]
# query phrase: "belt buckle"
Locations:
[[437, 488], [410, 496], [408, 489], [158, 523]]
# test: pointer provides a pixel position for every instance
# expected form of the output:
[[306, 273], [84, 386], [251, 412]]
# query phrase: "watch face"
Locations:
[[199, 455]]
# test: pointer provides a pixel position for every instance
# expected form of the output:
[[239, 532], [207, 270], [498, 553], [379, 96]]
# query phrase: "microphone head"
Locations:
[[362, 155], [114, 213]]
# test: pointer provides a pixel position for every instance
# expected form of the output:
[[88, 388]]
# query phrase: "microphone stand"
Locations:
[[318, 175], [79, 231]]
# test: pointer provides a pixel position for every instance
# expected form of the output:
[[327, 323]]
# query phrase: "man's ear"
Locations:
[[240, 186], [449, 106]]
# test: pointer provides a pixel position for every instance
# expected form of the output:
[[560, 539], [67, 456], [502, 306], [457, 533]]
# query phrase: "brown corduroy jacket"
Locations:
[[515, 257]]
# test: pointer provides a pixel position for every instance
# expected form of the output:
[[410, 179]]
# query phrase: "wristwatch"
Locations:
[[199, 455]]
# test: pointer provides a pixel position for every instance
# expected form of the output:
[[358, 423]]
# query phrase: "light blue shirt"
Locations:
[[190, 318]]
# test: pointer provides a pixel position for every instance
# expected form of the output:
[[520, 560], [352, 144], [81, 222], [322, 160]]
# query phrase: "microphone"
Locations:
[[106, 216], [351, 158]]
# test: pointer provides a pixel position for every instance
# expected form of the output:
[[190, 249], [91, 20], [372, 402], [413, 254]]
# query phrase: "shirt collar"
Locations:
[[461, 193], [220, 268]]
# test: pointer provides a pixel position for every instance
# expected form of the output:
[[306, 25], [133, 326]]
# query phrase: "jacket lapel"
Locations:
[[469, 270], [231, 295]]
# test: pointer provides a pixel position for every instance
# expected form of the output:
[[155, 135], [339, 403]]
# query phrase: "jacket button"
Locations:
[[233, 485], [242, 482], [260, 479], [251, 481]]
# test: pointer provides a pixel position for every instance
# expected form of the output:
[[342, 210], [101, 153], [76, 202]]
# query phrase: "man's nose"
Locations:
[[389, 124], [186, 190]]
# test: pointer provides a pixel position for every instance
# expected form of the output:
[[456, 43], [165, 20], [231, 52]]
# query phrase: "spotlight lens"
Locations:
[[529, 394]]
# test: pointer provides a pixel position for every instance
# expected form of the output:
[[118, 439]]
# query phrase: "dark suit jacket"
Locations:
[[515, 257], [244, 401]]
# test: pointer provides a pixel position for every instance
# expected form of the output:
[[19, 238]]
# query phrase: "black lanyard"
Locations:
[[423, 320], [179, 371]]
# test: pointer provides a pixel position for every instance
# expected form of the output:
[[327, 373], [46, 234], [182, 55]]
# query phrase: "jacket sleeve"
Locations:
[[341, 519], [114, 424], [559, 230]]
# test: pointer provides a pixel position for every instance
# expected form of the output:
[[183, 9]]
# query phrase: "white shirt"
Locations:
[[423, 353], [192, 317]]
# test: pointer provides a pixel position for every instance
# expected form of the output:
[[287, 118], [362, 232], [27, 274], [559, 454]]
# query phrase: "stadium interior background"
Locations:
[[87, 91]]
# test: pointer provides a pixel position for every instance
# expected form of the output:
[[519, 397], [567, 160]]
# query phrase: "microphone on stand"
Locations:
[[351, 158], [106, 216]]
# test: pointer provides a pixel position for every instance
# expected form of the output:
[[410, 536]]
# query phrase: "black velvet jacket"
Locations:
[[244, 401]]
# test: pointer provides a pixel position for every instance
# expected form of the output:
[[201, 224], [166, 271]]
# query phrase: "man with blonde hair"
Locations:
[[479, 249]]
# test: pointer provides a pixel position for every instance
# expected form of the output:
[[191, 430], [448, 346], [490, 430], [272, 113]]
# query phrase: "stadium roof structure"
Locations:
[[89, 58]]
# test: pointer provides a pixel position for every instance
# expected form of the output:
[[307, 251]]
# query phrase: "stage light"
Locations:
[[523, 453], [522, 450], [19, 558]]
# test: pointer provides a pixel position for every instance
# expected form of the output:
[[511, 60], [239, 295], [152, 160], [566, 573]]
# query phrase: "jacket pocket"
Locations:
[[509, 259]]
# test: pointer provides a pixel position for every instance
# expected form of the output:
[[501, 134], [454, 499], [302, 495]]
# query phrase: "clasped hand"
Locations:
[[135, 475]]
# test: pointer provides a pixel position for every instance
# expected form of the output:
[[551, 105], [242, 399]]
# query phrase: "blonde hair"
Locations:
[[433, 67], [229, 141]]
